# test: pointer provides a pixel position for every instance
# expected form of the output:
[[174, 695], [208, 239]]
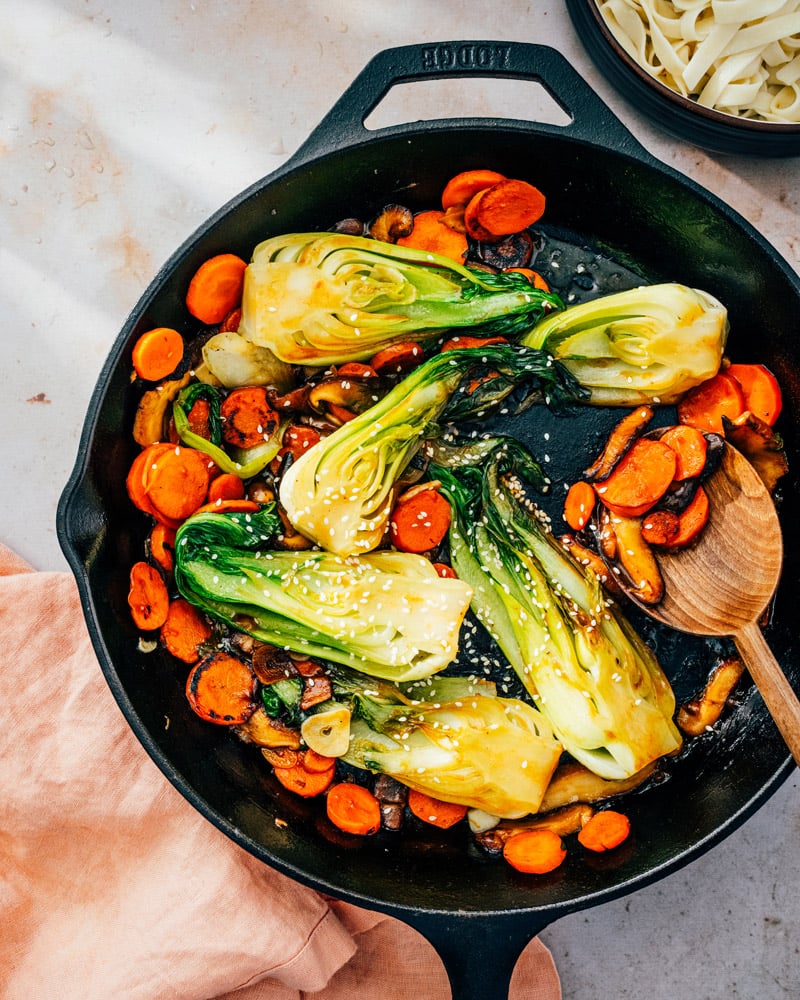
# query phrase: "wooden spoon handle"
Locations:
[[778, 695]]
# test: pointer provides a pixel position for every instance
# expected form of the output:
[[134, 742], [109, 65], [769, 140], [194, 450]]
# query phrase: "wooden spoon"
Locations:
[[722, 584]]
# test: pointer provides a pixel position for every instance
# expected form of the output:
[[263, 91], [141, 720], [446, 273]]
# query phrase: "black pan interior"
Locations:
[[612, 220]]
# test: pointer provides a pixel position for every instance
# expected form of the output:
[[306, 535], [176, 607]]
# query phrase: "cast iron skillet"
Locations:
[[615, 216]]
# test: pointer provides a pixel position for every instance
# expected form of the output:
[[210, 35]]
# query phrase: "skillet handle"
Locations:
[[479, 952], [590, 118]]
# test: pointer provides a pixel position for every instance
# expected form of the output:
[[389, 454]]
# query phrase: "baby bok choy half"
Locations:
[[339, 493], [327, 298], [646, 345], [581, 661], [453, 738], [388, 613]]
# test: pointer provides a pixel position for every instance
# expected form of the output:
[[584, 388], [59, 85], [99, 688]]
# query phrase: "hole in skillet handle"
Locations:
[[582, 114]]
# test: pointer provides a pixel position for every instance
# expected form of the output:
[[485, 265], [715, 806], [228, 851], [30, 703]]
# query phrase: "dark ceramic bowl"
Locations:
[[678, 115]]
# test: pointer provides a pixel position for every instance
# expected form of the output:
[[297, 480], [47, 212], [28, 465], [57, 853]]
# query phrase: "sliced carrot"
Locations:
[[161, 546], [248, 418], [356, 369], [471, 222], [435, 811], [157, 353], [762, 394], [461, 341], [622, 436], [298, 438], [579, 504], [421, 522], [136, 478], [148, 598], [226, 486], [432, 233], [176, 482], [398, 359], [459, 190], [300, 780], [690, 447], [317, 762], [239, 506], [221, 689], [444, 571], [185, 630], [216, 288], [353, 808], [705, 405], [605, 830], [509, 207], [640, 479], [691, 521], [340, 413], [534, 852], [533, 276], [659, 527]]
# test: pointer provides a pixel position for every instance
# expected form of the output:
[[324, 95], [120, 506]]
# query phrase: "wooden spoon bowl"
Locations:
[[722, 584]]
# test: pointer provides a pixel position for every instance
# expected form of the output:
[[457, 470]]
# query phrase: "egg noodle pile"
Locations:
[[741, 57]]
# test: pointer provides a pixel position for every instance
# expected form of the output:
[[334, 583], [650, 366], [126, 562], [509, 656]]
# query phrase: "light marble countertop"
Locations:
[[122, 128]]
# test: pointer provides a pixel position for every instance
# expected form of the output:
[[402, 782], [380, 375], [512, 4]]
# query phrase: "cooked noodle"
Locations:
[[741, 57]]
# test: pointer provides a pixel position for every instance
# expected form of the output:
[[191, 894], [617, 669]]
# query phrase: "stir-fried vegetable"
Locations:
[[388, 613], [340, 492], [327, 298], [647, 344], [589, 673], [452, 738]]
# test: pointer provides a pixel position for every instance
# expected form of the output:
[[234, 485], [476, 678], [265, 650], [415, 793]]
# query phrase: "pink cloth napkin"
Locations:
[[112, 885]]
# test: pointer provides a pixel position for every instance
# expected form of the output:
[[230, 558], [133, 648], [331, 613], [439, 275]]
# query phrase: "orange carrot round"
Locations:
[[464, 186], [472, 223], [248, 418], [604, 830], [431, 233], [157, 353], [762, 394], [216, 288], [161, 545], [640, 479], [148, 598], [353, 808], [445, 572], [434, 811], [705, 405], [177, 482], [509, 207], [317, 762], [221, 689], [398, 359], [534, 852], [185, 630], [222, 506], [579, 504], [137, 477], [690, 447], [299, 779], [421, 522], [226, 486]]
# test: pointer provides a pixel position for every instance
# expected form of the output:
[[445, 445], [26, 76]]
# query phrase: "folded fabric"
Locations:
[[113, 885]]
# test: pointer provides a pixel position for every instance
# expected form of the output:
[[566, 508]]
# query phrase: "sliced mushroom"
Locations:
[[392, 223], [697, 715], [267, 732], [511, 251], [564, 821], [154, 411]]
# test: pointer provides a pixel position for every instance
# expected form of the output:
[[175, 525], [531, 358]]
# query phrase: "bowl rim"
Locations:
[[681, 104]]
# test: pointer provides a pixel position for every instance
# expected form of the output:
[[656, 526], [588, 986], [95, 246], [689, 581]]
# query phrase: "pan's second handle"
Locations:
[[590, 118], [479, 952], [775, 689]]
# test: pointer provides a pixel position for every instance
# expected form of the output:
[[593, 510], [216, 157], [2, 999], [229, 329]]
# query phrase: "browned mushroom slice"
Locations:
[[392, 223]]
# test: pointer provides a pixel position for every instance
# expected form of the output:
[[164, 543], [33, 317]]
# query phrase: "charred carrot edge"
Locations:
[[298, 779], [398, 359], [248, 418], [148, 597], [221, 689]]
